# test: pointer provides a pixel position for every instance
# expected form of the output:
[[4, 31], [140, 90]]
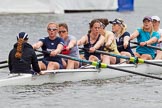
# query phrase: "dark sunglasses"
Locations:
[[52, 29], [61, 32]]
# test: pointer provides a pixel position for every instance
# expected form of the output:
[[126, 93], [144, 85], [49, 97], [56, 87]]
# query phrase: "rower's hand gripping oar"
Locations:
[[102, 65], [149, 46], [131, 59]]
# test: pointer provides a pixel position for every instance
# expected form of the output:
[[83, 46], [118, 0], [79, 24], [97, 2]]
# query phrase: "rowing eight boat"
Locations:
[[90, 73]]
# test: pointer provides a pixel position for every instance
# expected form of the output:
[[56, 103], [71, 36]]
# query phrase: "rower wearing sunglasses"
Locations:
[[53, 44], [70, 47]]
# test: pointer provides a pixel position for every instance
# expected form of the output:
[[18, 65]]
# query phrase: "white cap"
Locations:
[[155, 18]]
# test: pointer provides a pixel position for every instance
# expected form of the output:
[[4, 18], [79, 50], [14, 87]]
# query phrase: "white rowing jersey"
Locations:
[[159, 44]]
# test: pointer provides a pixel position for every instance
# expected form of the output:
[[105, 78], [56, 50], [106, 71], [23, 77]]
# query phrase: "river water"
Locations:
[[125, 92]]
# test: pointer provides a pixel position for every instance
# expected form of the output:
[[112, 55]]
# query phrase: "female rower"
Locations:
[[145, 36], [22, 56], [156, 26], [110, 43], [53, 44], [122, 38], [92, 41], [70, 47]]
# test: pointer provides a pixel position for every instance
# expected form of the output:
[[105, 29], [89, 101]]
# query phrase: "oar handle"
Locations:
[[149, 46]]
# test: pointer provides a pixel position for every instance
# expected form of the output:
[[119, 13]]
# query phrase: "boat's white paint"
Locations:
[[59, 76]]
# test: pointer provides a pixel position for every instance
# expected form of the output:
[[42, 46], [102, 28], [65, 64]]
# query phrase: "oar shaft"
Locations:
[[132, 72], [110, 54], [147, 62], [75, 59], [2, 62], [3, 66], [149, 46], [132, 59], [39, 55]]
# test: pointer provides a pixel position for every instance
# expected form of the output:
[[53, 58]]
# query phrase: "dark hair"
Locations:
[[64, 25], [104, 21], [92, 23]]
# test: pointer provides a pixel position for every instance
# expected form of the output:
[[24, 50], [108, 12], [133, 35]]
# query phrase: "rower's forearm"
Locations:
[[151, 41]]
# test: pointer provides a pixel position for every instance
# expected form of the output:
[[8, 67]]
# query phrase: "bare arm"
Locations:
[[57, 50], [82, 41], [110, 40], [151, 41], [71, 44], [99, 43], [134, 35], [37, 45], [126, 41]]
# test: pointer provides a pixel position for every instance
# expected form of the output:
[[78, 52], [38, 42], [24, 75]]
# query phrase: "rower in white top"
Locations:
[[156, 26]]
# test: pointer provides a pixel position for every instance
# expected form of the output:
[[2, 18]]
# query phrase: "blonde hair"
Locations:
[[123, 26], [52, 23], [152, 29], [19, 48]]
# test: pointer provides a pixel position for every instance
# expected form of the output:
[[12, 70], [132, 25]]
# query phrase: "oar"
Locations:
[[2, 62], [3, 66], [132, 47], [149, 46], [131, 59], [102, 65], [5, 61]]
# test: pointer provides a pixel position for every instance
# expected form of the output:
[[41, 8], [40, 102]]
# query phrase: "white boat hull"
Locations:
[[60, 76]]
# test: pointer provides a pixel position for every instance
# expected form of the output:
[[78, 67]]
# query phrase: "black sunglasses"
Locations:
[[52, 29], [61, 32]]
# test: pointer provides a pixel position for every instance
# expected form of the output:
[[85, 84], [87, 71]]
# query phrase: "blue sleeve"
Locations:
[[126, 34], [61, 41], [139, 30], [156, 34], [42, 39]]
